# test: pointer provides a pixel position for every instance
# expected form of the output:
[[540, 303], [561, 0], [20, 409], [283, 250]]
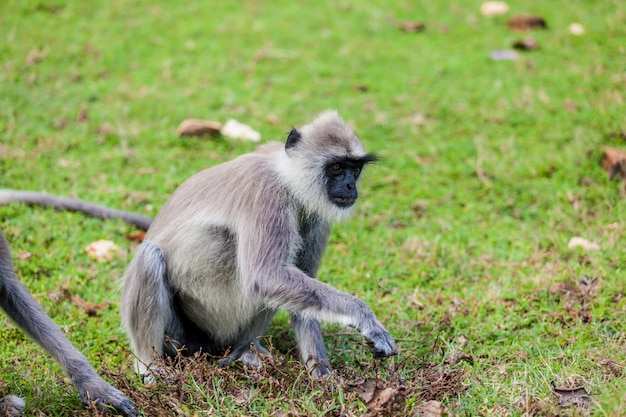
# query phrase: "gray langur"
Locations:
[[22, 308], [237, 241]]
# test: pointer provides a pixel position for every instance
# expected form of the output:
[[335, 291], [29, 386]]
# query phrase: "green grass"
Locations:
[[489, 168]]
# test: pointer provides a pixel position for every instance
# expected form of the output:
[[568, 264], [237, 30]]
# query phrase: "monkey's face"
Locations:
[[341, 181]]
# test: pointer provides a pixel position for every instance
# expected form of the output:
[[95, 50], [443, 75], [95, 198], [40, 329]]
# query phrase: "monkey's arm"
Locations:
[[280, 284], [22, 308], [72, 204]]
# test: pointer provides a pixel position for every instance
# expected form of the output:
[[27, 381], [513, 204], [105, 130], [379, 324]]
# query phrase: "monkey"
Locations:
[[237, 241], [22, 308], [314, 215]]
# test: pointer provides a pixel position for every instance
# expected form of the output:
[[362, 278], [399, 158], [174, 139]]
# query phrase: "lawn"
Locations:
[[459, 242]]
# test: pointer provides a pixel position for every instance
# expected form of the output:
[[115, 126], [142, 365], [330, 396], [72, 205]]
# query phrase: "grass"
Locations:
[[459, 243]]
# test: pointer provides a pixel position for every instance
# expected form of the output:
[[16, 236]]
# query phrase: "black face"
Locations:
[[341, 177]]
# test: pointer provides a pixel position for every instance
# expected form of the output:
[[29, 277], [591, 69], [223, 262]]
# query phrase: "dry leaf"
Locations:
[[581, 242], [412, 27], [571, 396], [524, 22], [577, 299], [24, 255], [613, 367], [237, 130], [431, 408], [136, 236], [493, 8], [106, 130], [527, 44], [82, 116], [103, 250], [90, 308], [199, 128], [375, 393], [35, 56], [561, 288], [588, 287], [614, 162]]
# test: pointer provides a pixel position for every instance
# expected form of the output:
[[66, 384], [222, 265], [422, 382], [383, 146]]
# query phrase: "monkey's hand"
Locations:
[[380, 342]]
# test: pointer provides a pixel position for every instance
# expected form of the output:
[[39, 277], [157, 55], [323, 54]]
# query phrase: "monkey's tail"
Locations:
[[73, 204]]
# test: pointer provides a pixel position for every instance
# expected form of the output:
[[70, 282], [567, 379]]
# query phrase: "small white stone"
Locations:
[[492, 8], [236, 130], [577, 241], [576, 29]]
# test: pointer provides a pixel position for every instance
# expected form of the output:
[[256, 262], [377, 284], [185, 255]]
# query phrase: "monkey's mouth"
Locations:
[[343, 202]]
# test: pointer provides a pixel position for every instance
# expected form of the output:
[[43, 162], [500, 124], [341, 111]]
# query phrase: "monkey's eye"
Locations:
[[335, 169], [356, 171]]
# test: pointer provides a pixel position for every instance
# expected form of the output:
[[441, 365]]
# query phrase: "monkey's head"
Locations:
[[324, 160]]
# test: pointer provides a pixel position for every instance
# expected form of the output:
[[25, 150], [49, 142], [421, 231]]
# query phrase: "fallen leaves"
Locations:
[[571, 396], [614, 163], [90, 308], [199, 128], [523, 23], [376, 394], [430, 384], [412, 27], [136, 236], [431, 408], [104, 251], [35, 56], [518, 22], [577, 297], [399, 389], [527, 44]]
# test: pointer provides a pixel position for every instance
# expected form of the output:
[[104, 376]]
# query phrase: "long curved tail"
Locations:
[[35, 198]]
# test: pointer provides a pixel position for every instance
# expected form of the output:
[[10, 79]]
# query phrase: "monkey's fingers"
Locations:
[[382, 345]]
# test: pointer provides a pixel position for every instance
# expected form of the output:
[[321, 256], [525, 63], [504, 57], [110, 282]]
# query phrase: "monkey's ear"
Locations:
[[292, 139]]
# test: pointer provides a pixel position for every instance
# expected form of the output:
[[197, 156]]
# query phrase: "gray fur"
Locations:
[[238, 241], [11, 406], [72, 204], [22, 308]]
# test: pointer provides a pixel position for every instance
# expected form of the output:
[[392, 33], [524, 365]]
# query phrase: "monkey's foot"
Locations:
[[11, 406], [251, 355], [319, 369]]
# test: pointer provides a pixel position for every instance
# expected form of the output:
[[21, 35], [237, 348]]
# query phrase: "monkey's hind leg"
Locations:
[[250, 351], [146, 306], [311, 345]]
